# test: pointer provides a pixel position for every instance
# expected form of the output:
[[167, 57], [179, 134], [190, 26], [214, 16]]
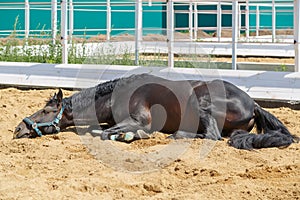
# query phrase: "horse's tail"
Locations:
[[275, 133]]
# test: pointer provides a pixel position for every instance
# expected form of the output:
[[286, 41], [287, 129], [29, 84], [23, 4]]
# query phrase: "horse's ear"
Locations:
[[59, 95]]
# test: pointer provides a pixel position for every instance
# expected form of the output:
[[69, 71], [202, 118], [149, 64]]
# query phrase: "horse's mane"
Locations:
[[87, 96]]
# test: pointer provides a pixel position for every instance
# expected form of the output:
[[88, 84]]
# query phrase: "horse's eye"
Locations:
[[49, 109]]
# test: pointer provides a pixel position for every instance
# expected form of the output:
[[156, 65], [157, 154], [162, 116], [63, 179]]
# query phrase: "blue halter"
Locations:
[[35, 126]]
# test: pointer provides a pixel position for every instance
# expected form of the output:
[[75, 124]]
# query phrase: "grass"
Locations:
[[41, 48]]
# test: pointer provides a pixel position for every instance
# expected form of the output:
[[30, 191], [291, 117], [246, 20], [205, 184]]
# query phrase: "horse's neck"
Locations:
[[86, 110], [103, 109]]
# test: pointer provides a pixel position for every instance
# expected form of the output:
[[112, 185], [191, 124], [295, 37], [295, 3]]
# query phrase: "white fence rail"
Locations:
[[258, 84]]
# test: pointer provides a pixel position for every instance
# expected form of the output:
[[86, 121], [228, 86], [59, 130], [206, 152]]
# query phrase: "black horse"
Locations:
[[185, 109]]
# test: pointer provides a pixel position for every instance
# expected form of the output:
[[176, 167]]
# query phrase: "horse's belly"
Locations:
[[165, 119]]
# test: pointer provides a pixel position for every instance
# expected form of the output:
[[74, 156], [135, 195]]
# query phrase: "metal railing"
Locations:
[[240, 9], [266, 7]]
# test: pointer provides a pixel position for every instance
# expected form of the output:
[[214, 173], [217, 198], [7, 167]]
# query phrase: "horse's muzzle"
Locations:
[[21, 131]]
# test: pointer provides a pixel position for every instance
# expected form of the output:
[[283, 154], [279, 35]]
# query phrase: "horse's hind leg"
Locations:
[[209, 129], [184, 134], [210, 126]]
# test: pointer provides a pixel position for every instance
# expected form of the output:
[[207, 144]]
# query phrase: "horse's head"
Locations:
[[45, 121]]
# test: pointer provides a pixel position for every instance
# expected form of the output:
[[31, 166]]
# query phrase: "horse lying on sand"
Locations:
[[144, 103]]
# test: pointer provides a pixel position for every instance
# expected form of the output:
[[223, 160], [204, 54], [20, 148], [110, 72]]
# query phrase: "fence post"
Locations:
[[170, 32], [195, 21], [257, 21], [219, 21], [273, 21], [297, 34], [54, 20], [235, 15], [247, 25], [71, 19], [138, 28], [108, 20], [239, 22], [191, 21], [27, 18], [64, 30]]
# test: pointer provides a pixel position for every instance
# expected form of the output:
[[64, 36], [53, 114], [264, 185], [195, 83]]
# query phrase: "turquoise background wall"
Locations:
[[121, 19], [204, 20], [284, 17], [154, 17]]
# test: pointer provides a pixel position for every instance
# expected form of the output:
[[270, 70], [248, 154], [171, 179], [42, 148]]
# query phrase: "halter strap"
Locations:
[[35, 126]]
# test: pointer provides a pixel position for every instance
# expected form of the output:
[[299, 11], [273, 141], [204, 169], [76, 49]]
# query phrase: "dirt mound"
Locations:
[[61, 167]]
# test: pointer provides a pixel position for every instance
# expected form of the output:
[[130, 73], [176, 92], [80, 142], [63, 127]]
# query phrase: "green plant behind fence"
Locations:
[[41, 48]]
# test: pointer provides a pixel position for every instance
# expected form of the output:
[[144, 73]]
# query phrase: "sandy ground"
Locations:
[[61, 167]]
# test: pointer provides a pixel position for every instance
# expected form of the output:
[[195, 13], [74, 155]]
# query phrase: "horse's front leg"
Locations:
[[126, 131]]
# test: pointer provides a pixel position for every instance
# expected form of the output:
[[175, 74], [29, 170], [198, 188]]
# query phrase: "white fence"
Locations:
[[107, 7], [236, 26], [68, 7]]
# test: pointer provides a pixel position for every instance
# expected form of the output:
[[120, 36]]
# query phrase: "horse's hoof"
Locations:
[[97, 131], [171, 137], [141, 134]]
